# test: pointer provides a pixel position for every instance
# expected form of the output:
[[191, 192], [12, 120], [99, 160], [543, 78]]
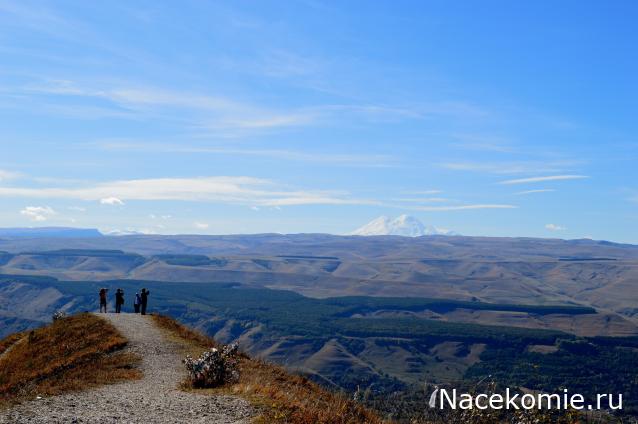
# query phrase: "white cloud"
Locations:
[[542, 190], [113, 201], [208, 112], [76, 208], [424, 199], [231, 190], [201, 225], [543, 179], [246, 191], [514, 167], [359, 159], [228, 117], [554, 227], [480, 142], [301, 198], [268, 121], [422, 192], [38, 213], [462, 207], [8, 175]]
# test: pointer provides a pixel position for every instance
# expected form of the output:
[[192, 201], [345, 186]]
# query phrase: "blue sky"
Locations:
[[487, 118]]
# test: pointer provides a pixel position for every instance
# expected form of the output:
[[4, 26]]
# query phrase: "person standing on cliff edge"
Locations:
[[103, 292], [137, 302], [144, 296], [119, 300]]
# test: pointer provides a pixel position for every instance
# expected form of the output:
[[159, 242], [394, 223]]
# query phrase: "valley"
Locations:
[[385, 313]]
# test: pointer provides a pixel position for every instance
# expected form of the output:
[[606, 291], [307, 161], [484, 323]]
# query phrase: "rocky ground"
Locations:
[[155, 398]]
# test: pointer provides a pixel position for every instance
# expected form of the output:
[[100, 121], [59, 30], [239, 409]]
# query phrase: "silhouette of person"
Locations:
[[137, 302], [144, 297], [103, 292], [119, 300]]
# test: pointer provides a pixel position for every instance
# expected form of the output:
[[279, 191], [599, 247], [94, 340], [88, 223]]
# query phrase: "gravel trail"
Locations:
[[153, 399], [10, 348]]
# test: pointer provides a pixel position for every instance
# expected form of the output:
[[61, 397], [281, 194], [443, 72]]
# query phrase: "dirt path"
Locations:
[[10, 348], [153, 399]]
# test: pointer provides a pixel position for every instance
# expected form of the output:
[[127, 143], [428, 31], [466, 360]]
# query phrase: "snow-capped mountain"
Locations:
[[127, 232], [404, 225]]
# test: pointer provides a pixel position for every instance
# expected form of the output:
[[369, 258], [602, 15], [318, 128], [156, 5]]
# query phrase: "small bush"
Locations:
[[59, 315], [214, 367]]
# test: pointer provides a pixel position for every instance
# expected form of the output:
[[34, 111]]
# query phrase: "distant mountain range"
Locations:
[[57, 232], [404, 225]]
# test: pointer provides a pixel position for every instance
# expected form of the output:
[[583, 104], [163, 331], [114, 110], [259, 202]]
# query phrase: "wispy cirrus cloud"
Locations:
[[487, 143], [463, 207], [220, 114], [541, 190], [554, 227], [341, 159], [240, 190], [206, 112], [544, 179], [222, 189], [424, 199], [512, 167], [422, 192], [33, 17], [200, 112]]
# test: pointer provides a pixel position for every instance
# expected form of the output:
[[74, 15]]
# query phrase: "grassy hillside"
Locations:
[[73, 353], [84, 351], [281, 396]]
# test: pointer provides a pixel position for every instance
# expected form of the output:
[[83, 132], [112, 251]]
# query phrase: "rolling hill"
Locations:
[[528, 271]]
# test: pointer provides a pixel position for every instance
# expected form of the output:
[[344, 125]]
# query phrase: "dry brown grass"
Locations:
[[9, 341], [279, 395], [73, 353]]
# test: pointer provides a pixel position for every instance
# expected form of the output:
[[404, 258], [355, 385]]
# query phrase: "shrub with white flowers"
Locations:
[[214, 367], [59, 315]]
